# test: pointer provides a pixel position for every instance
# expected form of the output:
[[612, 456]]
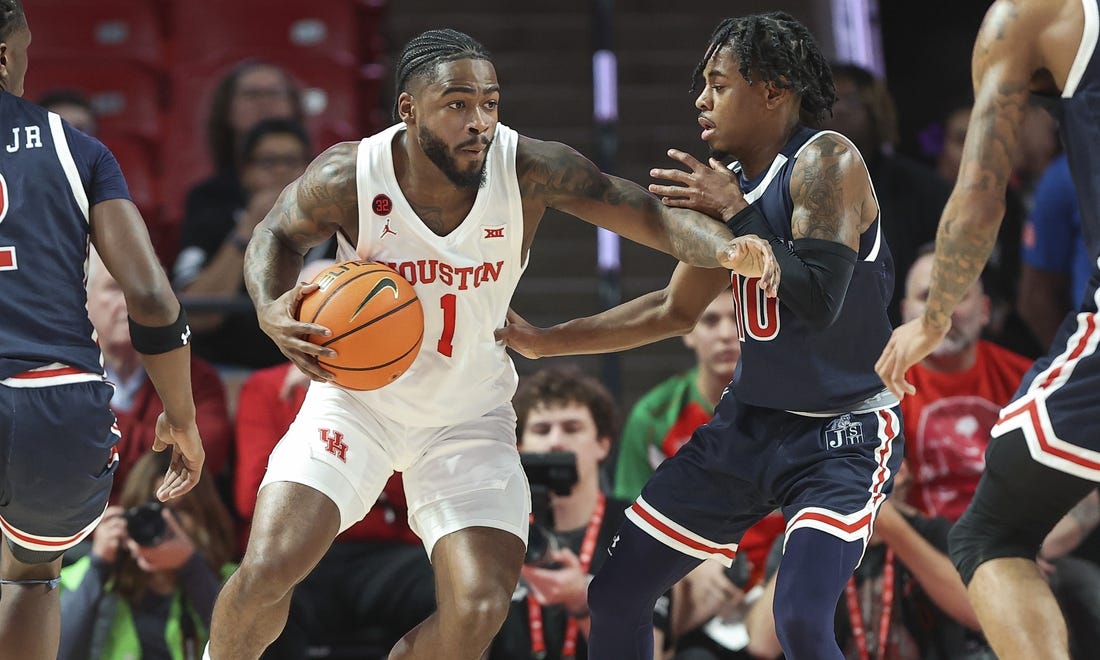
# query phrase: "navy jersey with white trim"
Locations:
[[786, 363], [50, 176], [1079, 119]]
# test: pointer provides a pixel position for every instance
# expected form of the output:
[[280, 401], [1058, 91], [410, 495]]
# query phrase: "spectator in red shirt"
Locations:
[[961, 387], [135, 401]]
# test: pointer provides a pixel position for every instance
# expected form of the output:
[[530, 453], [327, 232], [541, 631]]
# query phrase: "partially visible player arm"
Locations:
[[1003, 63], [122, 242], [308, 212], [658, 315], [557, 176]]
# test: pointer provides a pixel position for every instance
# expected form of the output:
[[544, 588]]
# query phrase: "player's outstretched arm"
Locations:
[[308, 212], [158, 332], [1003, 63], [554, 175], [658, 315]]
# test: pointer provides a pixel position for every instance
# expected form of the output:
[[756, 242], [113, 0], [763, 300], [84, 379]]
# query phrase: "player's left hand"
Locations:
[[910, 343], [752, 256], [520, 336], [188, 456], [566, 586], [711, 189]]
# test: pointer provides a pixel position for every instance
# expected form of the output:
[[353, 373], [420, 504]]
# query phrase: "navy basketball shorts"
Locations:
[[825, 473], [1057, 406], [57, 446]]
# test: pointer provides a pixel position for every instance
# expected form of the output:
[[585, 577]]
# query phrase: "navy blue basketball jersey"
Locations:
[[51, 175], [1079, 117], [785, 363]]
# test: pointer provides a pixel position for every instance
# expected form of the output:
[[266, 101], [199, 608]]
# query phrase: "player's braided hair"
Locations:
[[11, 17], [433, 47], [774, 47]]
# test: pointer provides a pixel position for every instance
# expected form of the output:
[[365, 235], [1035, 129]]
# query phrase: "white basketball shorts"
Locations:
[[465, 475]]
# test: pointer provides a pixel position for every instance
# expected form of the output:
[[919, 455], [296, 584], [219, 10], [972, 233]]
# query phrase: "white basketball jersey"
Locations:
[[464, 280]]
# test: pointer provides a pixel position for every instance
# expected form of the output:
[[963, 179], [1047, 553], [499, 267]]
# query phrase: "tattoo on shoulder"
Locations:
[[327, 191], [818, 192], [553, 171]]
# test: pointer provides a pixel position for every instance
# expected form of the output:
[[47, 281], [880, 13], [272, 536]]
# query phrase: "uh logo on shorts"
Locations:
[[334, 443], [843, 431]]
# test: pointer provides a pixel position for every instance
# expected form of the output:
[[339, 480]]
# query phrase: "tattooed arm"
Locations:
[[554, 175], [308, 212], [831, 194], [1072, 528], [833, 205], [1005, 58]]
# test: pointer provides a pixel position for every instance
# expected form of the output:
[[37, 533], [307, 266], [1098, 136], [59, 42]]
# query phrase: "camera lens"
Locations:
[[145, 524]]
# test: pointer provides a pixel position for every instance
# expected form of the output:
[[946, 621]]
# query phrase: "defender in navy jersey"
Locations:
[[1045, 452], [805, 425], [60, 192]]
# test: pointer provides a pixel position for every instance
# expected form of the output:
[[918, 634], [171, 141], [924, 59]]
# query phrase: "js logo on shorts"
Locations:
[[843, 431], [334, 443]]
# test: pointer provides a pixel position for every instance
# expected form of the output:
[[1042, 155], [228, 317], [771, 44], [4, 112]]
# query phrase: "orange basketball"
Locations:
[[376, 320]]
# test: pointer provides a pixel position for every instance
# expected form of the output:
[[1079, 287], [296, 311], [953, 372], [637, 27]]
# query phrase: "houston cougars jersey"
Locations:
[[51, 175], [464, 280], [785, 363]]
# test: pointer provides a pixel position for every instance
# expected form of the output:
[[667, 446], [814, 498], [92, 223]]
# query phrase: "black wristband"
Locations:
[[154, 341]]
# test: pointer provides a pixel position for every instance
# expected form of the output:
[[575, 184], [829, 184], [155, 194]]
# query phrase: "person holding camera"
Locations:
[[148, 587], [561, 409]]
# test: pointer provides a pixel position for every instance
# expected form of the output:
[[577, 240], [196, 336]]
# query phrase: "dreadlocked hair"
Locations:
[[775, 48], [431, 48], [11, 18]]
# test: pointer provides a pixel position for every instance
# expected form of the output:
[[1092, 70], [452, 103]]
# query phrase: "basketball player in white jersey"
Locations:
[[451, 199]]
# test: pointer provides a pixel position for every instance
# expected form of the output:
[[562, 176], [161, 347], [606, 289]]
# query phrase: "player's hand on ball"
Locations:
[[752, 256], [187, 457], [277, 319], [521, 336]]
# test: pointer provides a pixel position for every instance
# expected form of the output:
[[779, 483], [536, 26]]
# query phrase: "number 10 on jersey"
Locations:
[[757, 314]]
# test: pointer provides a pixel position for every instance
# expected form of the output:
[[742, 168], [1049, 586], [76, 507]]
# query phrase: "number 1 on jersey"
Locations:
[[447, 303]]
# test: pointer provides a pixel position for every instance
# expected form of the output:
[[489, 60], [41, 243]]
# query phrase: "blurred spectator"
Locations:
[[73, 107], [664, 418], [659, 424], [1002, 274], [1056, 265], [905, 586], [961, 387], [375, 583], [135, 402], [911, 197], [562, 409], [148, 587], [274, 153]]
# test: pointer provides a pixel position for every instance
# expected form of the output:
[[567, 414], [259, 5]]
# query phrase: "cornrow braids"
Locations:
[[774, 47], [428, 49], [11, 18]]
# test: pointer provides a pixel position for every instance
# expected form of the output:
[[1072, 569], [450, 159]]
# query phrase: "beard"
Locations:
[[952, 344], [437, 151]]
